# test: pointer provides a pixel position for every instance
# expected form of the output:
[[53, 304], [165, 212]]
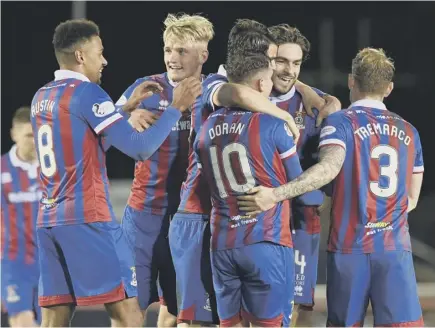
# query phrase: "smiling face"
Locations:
[[183, 59], [287, 67], [92, 59]]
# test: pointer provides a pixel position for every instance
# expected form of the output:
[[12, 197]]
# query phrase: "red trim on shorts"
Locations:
[[417, 323], [272, 322], [186, 314], [115, 295], [55, 300], [231, 322]]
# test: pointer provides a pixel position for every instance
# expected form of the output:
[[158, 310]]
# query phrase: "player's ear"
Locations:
[[350, 81], [203, 56], [389, 89], [78, 54]]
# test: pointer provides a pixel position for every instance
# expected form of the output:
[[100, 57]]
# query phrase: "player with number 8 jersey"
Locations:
[[74, 121]]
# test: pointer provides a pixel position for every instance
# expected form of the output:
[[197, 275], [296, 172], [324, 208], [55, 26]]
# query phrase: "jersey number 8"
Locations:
[[47, 159]]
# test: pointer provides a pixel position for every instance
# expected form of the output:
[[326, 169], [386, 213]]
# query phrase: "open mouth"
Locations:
[[285, 79]]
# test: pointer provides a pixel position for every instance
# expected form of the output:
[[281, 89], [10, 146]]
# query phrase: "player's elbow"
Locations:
[[412, 204]]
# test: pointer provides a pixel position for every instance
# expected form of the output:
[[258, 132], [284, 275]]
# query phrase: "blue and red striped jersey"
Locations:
[[68, 117], [195, 194], [370, 193], [303, 217], [237, 150], [157, 180], [21, 193]]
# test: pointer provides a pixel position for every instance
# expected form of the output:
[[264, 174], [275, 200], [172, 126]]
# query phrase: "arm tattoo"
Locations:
[[320, 174]]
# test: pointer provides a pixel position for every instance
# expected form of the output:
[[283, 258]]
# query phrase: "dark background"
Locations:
[[132, 37]]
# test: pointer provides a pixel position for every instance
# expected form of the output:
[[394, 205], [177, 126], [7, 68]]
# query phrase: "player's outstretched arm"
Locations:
[[141, 145], [290, 159], [261, 199], [331, 159], [233, 94]]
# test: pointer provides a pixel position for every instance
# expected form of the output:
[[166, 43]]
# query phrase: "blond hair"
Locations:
[[188, 28], [372, 70]]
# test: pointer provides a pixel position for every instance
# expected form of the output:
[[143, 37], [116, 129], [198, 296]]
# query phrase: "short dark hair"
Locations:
[[284, 33], [71, 32], [241, 68], [249, 37], [21, 115]]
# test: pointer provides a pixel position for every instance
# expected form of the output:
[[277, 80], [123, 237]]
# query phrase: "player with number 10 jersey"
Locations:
[[235, 151]]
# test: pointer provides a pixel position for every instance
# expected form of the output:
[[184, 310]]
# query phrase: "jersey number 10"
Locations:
[[228, 170]]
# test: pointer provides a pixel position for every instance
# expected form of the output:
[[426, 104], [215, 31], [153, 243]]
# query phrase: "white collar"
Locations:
[[63, 74], [222, 70], [283, 97], [369, 103], [26, 166]]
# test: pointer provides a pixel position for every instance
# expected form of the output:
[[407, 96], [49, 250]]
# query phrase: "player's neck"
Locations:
[[25, 157], [73, 68], [367, 97]]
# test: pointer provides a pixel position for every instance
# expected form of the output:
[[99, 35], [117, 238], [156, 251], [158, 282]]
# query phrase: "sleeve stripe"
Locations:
[[112, 119], [215, 85], [337, 142], [288, 153], [418, 169]]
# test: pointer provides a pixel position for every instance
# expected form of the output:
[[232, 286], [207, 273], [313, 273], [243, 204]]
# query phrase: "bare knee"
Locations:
[[166, 319], [23, 319], [125, 313], [57, 316]]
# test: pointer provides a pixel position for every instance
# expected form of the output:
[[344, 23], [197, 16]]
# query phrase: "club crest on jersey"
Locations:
[[103, 109], [48, 203], [12, 296], [163, 104], [300, 117], [133, 277]]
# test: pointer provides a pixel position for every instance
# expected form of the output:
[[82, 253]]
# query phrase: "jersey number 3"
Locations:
[[388, 171], [45, 149]]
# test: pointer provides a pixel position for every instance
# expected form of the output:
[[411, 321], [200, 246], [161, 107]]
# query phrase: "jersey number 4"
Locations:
[[244, 169], [47, 159], [388, 171]]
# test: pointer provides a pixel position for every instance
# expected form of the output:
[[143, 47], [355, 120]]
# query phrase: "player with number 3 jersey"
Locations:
[[376, 157]]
